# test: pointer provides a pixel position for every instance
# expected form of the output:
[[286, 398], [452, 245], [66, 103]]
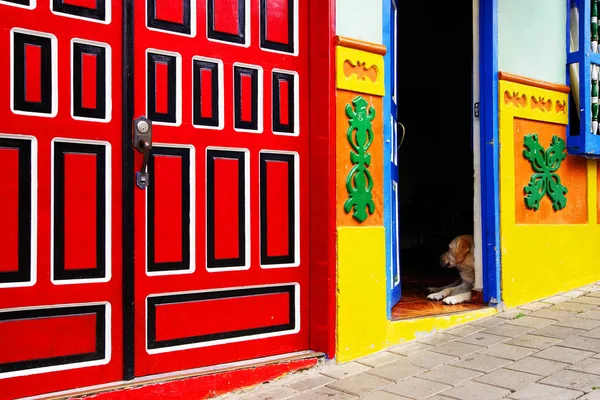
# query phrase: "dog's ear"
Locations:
[[463, 246]]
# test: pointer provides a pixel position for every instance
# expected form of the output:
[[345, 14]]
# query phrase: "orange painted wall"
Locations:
[[572, 172], [543, 252], [343, 163]]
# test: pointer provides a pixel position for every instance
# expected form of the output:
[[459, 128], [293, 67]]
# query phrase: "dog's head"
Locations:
[[458, 249]]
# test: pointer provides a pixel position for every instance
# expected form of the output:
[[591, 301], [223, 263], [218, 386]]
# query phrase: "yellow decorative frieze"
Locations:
[[360, 69], [530, 95], [535, 103]]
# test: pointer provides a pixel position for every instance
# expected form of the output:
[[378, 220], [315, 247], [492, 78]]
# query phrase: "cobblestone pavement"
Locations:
[[544, 350]]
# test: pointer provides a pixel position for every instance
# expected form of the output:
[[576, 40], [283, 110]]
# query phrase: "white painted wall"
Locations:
[[531, 38], [359, 19]]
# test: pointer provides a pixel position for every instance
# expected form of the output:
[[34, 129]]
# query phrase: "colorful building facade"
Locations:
[[203, 195]]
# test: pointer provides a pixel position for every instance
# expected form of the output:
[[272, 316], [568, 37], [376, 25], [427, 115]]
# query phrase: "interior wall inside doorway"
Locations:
[[436, 183]]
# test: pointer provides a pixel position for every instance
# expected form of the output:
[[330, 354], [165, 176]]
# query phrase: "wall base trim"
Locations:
[[201, 382]]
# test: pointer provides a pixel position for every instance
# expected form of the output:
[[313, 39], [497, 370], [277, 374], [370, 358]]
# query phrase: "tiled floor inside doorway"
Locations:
[[414, 302]]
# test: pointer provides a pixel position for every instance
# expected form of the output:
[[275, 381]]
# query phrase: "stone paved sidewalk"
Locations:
[[545, 350]]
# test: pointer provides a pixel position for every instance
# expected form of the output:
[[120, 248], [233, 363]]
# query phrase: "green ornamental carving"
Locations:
[[545, 180], [359, 181]]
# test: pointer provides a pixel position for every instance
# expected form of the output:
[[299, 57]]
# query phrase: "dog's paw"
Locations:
[[436, 296], [432, 289], [456, 299], [450, 300]]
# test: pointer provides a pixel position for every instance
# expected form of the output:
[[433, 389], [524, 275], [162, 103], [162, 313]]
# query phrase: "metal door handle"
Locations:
[[142, 142]]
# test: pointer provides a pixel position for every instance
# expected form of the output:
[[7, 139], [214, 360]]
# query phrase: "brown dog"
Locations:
[[460, 255]]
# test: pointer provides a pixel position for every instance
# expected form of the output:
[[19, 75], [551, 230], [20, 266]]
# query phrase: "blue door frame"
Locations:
[[490, 194], [490, 206], [390, 156]]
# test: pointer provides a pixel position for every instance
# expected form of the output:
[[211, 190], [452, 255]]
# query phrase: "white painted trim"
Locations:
[[220, 93], [247, 247], [260, 96], [63, 367], [107, 14], [295, 35], [107, 80], [31, 6], [192, 33], [192, 226], [395, 144], [394, 196], [178, 88], [296, 102], [231, 340], [297, 260], [395, 53], [54, 75], [34, 212], [108, 213], [247, 36], [395, 265]]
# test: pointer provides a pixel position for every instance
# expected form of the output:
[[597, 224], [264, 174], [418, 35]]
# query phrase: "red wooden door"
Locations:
[[60, 195], [221, 257]]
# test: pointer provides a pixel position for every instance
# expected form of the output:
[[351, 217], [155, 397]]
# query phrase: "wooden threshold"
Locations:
[[414, 304]]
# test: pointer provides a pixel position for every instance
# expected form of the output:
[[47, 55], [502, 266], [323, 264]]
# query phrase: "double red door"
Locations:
[[101, 280], [222, 274]]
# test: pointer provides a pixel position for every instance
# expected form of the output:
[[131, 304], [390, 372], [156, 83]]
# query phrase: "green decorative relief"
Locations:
[[545, 180], [359, 181]]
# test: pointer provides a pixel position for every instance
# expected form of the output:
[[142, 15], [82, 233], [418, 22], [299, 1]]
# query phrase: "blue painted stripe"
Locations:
[[490, 200], [572, 57], [387, 203], [594, 58], [585, 72], [583, 142]]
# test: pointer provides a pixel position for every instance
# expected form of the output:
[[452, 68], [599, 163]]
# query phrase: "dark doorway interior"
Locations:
[[436, 158]]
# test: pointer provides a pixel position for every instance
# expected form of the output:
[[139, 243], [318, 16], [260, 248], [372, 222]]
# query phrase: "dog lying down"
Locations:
[[460, 256]]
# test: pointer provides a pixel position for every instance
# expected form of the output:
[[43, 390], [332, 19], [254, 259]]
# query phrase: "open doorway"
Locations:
[[435, 161]]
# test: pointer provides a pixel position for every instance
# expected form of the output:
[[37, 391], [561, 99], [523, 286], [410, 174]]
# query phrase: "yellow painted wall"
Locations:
[[362, 324], [361, 291], [543, 252], [361, 280]]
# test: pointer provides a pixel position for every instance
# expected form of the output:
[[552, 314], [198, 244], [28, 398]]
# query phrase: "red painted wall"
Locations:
[[322, 176], [207, 386]]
